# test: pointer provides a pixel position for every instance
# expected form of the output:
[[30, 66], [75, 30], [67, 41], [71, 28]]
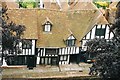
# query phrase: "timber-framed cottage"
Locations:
[[58, 37]]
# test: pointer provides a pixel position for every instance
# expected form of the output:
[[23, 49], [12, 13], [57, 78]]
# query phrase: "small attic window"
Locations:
[[70, 41], [47, 25]]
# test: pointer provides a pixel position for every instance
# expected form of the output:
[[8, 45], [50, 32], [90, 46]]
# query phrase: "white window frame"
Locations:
[[70, 41], [47, 27]]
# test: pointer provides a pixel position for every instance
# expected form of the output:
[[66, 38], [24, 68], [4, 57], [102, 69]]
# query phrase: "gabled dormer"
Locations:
[[70, 41], [47, 25]]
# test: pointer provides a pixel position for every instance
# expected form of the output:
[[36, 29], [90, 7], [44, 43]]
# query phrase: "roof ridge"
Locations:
[[70, 31], [47, 19], [52, 9]]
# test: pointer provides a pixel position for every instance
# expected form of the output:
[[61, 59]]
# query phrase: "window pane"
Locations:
[[71, 42], [47, 27], [27, 44], [100, 32], [50, 51], [63, 58]]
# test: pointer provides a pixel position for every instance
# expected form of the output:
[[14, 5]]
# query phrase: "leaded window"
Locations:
[[47, 27], [51, 51], [27, 44], [70, 42], [100, 32]]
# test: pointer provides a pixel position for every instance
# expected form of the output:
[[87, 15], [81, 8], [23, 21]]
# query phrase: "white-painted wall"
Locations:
[[69, 50], [66, 51], [93, 33], [33, 47]]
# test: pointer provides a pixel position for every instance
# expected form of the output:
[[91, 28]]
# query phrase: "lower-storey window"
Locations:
[[51, 51], [27, 44], [100, 32], [63, 58], [49, 60]]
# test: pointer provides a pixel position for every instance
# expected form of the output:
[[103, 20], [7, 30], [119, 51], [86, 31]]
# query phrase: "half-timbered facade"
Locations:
[[102, 28], [57, 37], [98, 31]]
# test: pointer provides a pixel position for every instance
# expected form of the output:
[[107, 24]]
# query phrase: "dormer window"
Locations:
[[70, 41], [47, 25]]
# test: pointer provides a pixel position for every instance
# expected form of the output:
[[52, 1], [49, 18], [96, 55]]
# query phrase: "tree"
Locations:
[[11, 35], [97, 46], [107, 60], [101, 3], [27, 3]]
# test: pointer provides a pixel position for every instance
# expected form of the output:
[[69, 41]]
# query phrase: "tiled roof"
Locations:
[[113, 5], [27, 17], [112, 12], [101, 19], [82, 6], [52, 6], [10, 5], [77, 23], [47, 20]]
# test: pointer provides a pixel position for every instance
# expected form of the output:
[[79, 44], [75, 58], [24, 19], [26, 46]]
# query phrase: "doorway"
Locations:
[[74, 58]]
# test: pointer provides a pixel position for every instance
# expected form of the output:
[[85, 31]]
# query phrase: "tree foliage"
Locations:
[[11, 34], [107, 60], [101, 46], [101, 3], [27, 3]]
